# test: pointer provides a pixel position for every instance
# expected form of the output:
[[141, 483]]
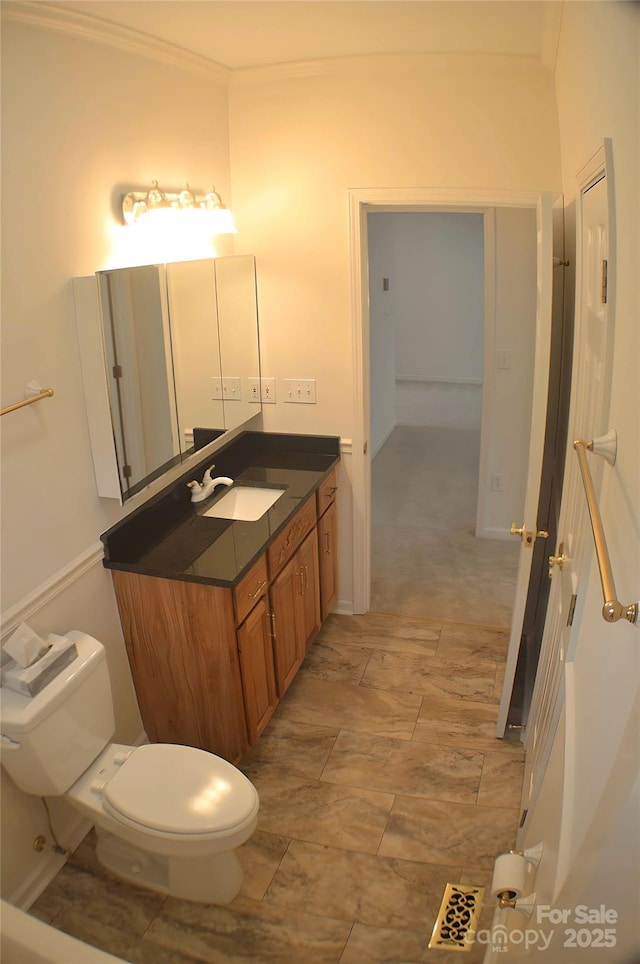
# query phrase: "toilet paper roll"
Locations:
[[509, 876]]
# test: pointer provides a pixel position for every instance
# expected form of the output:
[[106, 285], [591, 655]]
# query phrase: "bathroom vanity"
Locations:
[[218, 613]]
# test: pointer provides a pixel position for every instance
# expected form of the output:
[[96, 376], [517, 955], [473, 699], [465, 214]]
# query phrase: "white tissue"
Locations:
[[29, 680], [25, 646]]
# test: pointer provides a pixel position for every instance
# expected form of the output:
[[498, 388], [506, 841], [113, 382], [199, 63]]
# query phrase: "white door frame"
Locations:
[[361, 201]]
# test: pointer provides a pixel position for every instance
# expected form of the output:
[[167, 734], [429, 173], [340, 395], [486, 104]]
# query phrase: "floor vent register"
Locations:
[[457, 920]]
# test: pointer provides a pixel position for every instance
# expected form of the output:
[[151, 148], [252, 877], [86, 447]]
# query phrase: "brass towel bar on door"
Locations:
[[612, 610], [33, 393]]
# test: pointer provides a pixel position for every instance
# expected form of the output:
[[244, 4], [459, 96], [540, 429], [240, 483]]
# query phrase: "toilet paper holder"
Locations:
[[510, 894]]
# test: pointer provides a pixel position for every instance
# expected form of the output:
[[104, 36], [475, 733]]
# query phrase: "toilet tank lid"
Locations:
[[22, 714]]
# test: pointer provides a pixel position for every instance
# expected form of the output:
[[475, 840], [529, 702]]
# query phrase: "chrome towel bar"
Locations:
[[612, 610]]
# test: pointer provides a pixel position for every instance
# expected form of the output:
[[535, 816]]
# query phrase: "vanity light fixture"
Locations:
[[138, 204]]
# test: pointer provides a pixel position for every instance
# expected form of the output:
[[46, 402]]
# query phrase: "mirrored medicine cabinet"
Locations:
[[168, 353]]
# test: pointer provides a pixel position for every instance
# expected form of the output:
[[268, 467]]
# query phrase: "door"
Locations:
[[256, 666], [582, 785], [571, 557], [559, 393], [528, 527], [361, 202]]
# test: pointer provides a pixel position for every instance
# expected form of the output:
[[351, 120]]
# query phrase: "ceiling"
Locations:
[[251, 33]]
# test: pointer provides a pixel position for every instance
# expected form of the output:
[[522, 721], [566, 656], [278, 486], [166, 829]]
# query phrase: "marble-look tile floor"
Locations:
[[380, 780]]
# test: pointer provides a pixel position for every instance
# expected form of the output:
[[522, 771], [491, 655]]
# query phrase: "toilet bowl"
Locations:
[[167, 816]]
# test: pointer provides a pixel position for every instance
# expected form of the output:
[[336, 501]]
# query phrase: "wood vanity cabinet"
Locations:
[[209, 663]]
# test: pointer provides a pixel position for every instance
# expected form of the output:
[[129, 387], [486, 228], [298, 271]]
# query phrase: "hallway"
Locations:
[[426, 560], [380, 781]]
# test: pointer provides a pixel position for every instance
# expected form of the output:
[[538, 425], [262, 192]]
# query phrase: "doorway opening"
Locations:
[[451, 298]]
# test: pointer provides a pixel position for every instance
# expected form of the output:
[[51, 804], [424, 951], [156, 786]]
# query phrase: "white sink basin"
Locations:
[[244, 503]]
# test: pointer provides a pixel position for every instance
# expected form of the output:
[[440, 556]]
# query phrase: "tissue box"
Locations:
[[30, 680], [25, 646]]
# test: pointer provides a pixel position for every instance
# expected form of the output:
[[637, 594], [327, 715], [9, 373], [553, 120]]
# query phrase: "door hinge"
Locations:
[[117, 371], [523, 817], [572, 609], [126, 472], [603, 282]]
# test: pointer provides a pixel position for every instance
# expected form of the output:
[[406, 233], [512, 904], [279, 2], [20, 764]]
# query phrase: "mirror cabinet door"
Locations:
[[180, 344], [137, 344]]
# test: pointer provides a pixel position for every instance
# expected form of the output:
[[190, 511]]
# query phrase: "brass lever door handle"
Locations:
[[558, 560], [528, 536]]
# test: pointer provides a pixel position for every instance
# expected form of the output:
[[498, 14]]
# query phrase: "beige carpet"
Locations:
[[426, 559]]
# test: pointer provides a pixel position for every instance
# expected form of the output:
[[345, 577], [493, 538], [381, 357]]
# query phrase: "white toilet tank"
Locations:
[[50, 739]]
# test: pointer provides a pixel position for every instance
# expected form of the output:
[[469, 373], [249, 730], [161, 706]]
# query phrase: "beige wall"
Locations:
[[82, 122], [303, 136]]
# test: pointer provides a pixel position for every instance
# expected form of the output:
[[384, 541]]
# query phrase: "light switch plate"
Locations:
[[302, 390], [216, 386], [232, 389]]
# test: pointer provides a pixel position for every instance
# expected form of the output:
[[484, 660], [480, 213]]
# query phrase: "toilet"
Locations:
[[167, 817]]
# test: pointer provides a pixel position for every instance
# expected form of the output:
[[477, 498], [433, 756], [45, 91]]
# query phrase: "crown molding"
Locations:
[[53, 17], [420, 61]]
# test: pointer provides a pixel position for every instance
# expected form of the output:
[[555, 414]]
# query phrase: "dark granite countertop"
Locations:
[[171, 538]]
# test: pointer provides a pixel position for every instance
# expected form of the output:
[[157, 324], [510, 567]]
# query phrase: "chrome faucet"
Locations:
[[200, 491]]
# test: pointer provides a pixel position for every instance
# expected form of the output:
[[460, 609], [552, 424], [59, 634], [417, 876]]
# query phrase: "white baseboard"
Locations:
[[344, 607], [494, 533], [379, 444]]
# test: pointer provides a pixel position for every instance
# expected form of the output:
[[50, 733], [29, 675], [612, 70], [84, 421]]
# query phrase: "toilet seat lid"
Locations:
[[180, 789]]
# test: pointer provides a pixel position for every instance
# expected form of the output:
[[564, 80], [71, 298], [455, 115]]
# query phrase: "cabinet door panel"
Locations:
[[256, 664], [327, 550], [288, 650], [306, 560]]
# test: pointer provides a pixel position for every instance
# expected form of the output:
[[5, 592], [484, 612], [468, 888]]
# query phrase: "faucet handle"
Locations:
[[207, 475], [194, 486]]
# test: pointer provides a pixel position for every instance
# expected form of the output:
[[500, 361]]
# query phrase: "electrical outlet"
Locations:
[[504, 358], [253, 389], [268, 390], [497, 483], [300, 390]]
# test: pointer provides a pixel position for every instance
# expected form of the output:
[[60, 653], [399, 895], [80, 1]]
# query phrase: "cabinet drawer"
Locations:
[[249, 589], [326, 493], [290, 538]]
